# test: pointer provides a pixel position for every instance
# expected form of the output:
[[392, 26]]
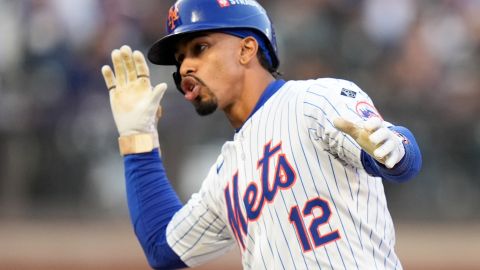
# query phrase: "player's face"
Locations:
[[210, 70]]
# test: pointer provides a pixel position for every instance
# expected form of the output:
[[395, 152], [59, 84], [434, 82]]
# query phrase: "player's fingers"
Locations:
[[372, 124], [118, 67], [346, 126], [109, 77], [158, 92], [385, 149], [379, 136], [126, 52], [141, 65], [158, 115], [392, 159]]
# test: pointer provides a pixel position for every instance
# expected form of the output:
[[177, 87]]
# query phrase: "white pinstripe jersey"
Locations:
[[290, 191]]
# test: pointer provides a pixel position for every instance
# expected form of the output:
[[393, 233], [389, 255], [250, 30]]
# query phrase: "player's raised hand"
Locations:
[[135, 105], [375, 139]]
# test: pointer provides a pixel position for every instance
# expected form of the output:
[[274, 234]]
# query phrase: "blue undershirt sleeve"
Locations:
[[152, 202], [408, 167]]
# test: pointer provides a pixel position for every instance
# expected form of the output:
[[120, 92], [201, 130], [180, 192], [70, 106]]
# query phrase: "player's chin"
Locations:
[[204, 108]]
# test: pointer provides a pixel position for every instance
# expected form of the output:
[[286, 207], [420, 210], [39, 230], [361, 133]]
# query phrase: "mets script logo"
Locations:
[[173, 19], [256, 197]]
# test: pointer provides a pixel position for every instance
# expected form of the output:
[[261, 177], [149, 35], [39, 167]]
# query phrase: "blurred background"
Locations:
[[62, 202]]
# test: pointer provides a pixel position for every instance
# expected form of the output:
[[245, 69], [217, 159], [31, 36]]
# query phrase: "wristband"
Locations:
[[137, 143]]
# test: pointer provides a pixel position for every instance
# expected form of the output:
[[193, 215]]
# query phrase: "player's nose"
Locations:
[[189, 66]]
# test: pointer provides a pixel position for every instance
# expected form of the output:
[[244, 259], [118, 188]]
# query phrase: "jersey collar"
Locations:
[[271, 89]]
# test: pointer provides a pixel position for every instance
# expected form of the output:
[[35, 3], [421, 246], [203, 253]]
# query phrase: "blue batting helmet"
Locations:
[[190, 16]]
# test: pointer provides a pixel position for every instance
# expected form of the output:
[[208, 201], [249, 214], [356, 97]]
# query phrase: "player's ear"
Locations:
[[249, 50]]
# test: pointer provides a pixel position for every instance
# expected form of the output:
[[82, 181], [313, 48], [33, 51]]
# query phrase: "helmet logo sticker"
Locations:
[[173, 18], [223, 3], [227, 3]]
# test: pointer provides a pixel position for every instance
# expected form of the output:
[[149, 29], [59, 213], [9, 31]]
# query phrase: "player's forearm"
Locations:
[[408, 167], [152, 202]]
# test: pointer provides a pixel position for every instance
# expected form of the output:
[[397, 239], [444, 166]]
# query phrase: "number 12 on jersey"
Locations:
[[313, 234]]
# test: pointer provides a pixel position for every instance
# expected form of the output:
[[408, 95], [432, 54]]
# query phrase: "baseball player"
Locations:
[[299, 186]]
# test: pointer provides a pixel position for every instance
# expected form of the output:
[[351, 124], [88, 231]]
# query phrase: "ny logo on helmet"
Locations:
[[173, 18]]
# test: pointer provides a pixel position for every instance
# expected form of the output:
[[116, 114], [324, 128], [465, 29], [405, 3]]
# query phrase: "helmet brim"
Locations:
[[162, 51]]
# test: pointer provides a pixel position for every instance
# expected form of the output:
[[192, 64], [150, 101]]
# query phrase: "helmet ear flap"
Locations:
[[178, 80]]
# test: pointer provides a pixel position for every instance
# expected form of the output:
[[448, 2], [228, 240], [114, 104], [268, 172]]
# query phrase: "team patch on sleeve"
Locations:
[[348, 93], [367, 110]]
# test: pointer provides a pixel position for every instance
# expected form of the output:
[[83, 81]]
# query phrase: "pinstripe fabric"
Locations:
[[297, 119]]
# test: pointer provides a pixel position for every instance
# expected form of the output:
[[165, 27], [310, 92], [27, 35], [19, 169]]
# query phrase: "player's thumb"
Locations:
[[346, 126], [158, 92]]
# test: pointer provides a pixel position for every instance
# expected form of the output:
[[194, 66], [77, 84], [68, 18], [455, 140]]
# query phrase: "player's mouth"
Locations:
[[191, 88]]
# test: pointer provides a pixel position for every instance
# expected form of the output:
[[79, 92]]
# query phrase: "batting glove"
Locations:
[[135, 105], [375, 138]]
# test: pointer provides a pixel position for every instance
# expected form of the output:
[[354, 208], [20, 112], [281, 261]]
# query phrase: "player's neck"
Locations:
[[254, 83]]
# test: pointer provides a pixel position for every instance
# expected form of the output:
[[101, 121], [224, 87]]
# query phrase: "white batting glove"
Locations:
[[376, 139], [135, 105]]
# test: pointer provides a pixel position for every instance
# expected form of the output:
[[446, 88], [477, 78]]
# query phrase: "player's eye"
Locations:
[[193, 51], [199, 48], [179, 58]]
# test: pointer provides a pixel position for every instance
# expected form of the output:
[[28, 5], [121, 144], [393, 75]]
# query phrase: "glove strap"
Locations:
[[137, 143]]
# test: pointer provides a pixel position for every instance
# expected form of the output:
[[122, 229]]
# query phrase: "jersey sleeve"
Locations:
[[327, 99], [197, 233], [152, 203]]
